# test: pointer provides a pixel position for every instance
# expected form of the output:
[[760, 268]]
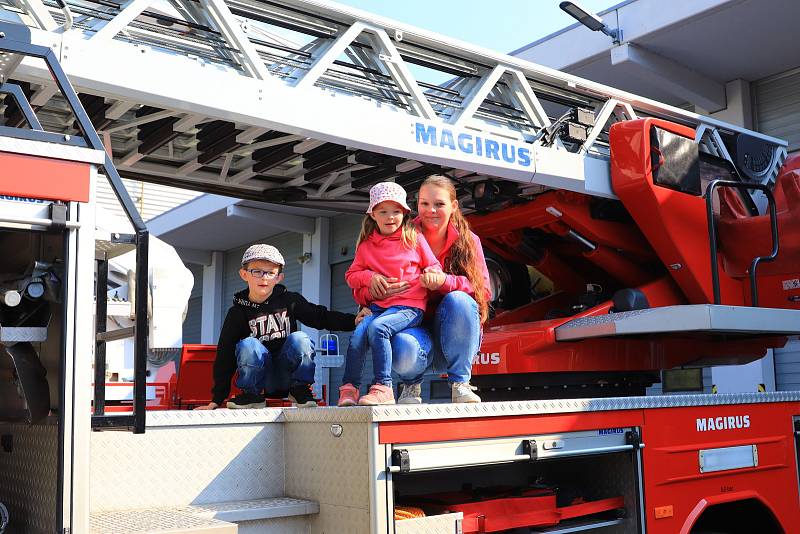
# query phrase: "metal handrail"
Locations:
[[16, 39], [712, 235]]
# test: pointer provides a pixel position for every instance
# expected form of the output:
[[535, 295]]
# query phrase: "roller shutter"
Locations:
[[777, 106], [194, 314], [787, 366]]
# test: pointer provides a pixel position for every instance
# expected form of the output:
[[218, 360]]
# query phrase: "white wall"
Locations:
[[150, 199]]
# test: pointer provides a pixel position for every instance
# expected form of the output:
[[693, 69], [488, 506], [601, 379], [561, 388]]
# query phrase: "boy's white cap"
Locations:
[[387, 191], [263, 252]]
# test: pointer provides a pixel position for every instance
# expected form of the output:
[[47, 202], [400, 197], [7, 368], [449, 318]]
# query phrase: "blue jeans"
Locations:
[[376, 332], [260, 370], [456, 339]]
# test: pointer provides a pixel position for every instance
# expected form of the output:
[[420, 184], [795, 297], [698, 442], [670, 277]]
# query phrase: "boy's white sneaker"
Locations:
[[412, 394], [463, 392]]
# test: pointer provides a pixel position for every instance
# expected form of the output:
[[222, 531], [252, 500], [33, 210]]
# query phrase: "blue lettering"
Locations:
[[492, 149], [465, 143], [524, 157], [22, 199], [447, 140], [508, 152], [426, 134], [472, 144]]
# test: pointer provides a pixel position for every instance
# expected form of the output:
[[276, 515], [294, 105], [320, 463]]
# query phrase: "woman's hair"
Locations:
[[408, 232], [463, 257]]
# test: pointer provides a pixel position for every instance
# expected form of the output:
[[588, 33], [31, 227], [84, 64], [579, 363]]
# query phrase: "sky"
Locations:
[[501, 25]]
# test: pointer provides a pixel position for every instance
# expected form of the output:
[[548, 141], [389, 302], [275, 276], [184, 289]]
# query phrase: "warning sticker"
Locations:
[[791, 284]]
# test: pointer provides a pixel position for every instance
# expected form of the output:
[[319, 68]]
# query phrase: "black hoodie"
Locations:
[[271, 322]]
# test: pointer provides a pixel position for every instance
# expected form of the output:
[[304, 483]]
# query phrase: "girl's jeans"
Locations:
[[258, 369], [456, 338], [376, 332]]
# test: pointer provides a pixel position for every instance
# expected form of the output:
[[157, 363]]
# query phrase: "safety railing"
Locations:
[[712, 235], [15, 45]]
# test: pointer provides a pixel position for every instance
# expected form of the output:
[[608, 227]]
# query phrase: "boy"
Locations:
[[260, 337]]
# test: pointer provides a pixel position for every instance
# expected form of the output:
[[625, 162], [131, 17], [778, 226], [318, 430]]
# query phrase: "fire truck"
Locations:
[[668, 239]]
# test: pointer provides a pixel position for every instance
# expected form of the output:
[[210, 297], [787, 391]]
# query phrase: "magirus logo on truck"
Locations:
[[486, 358], [731, 422], [503, 151]]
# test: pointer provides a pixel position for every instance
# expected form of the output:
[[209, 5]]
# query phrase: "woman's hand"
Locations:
[[363, 312], [209, 406], [381, 287], [432, 279]]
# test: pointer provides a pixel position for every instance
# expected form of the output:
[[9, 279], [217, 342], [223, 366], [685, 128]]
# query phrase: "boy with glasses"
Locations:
[[260, 338]]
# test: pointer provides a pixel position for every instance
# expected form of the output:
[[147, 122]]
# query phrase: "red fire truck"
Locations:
[[611, 200]]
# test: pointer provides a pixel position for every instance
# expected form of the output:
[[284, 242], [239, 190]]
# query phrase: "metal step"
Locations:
[[157, 521], [254, 510], [217, 518], [707, 318]]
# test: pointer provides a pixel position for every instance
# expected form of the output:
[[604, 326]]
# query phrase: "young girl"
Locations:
[[388, 249]]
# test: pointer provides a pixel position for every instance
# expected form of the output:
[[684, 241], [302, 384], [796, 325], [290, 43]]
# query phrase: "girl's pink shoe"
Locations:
[[378, 394], [348, 395]]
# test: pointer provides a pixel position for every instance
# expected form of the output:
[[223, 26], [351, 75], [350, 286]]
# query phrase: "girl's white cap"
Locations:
[[387, 191]]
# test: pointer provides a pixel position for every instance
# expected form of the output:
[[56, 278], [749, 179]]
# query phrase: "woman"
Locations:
[[451, 334]]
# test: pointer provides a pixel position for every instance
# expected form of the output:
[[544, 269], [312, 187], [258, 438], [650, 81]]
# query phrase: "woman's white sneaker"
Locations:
[[412, 394], [463, 392]]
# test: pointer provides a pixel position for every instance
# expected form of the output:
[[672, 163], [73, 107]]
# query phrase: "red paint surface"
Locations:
[[43, 178], [671, 464], [452, 429], [676, 493]]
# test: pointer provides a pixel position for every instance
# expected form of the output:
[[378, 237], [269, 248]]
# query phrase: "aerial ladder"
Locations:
[[257, 100], [311, 103]]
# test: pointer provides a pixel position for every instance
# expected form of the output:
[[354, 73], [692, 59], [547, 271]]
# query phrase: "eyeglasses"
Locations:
[[258, 273]]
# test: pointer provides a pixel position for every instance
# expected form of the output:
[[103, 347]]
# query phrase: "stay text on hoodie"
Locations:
[[271, 322]]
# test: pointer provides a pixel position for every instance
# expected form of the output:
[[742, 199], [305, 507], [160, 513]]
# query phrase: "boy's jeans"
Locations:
[[375, 331], [258, 369], [451, 344]]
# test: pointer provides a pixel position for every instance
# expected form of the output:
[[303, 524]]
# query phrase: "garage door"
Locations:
[[787, 366], [777, 102], [194, 313]]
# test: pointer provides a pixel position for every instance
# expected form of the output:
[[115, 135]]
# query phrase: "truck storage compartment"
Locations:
[[31, 368], [551, 483]]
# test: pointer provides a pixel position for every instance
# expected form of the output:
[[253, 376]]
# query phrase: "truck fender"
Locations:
[[708, 502]]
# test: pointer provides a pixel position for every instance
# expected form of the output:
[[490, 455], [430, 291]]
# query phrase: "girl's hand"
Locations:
[[363, 312], [378, 286], [432, 280], [381, 287]]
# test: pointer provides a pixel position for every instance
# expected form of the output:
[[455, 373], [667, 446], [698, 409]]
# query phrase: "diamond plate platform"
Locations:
[[157, 521], [221, 457], [271, 515], [28, 482], [253, 510], [222, 416], [697, 318], [434, 524], [361, 414]]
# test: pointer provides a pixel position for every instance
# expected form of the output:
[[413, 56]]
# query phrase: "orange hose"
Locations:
[[407, 512]]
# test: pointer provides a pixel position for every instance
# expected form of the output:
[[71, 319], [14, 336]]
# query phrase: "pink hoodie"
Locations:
[[386, 255], [452, 282]]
